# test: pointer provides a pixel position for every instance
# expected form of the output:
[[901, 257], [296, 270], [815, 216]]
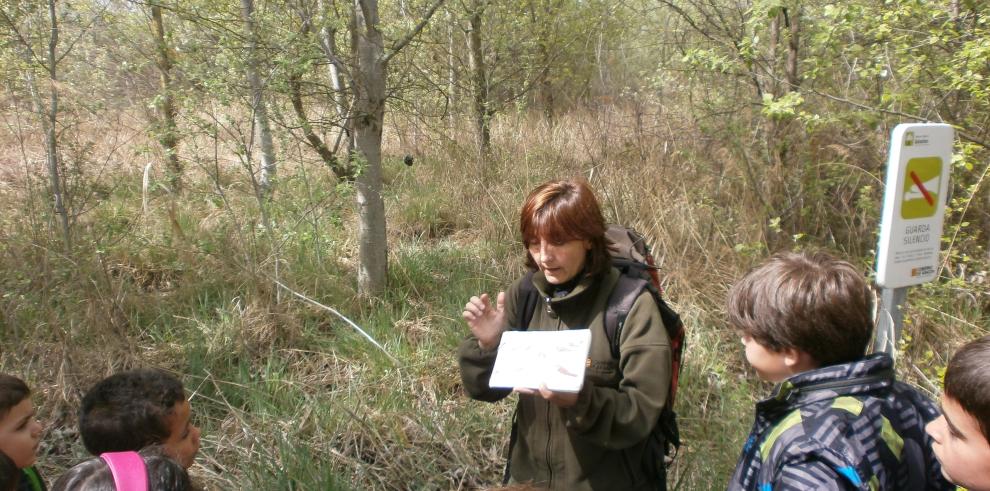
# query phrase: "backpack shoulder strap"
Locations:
[[620, 302], [527, 300]]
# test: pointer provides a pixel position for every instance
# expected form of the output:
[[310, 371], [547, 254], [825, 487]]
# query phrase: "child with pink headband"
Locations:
[[147, 470]]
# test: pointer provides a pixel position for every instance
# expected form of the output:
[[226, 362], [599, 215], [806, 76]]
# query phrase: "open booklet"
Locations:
[[529, 359]]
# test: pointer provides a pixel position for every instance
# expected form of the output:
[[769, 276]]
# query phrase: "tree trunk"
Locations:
[[368, 115], [452, 98], [328, 43], [479, 80], [167, 130], [314, 140], [772, 54], [49, 122], [793, 78], [268, 166], [543, 15]]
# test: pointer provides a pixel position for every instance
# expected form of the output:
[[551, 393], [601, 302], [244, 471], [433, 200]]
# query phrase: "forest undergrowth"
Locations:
[[290, 396]]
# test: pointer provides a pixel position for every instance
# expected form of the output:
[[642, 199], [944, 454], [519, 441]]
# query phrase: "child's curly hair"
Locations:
[[129, 410]]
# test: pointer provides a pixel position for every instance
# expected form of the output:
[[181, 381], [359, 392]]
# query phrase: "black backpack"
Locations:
[[638, 272]]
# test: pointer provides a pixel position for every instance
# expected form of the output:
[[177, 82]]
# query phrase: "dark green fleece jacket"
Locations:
[[598, 443]]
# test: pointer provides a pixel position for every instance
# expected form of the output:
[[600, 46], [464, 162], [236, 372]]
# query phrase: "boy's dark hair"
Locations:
[[10, 475], [12, 391], [813, 302], [129, 410], [164, 474], [967, 380]]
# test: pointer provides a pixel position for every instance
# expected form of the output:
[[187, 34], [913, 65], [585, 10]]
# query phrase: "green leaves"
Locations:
[[783, 107]]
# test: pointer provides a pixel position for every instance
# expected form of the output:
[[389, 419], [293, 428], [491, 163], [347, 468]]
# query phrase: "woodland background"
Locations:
[[192, 184]]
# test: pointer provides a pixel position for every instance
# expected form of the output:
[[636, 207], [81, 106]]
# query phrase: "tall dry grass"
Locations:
[[290, 396]]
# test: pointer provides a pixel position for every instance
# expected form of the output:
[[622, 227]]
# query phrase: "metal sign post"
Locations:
[[911, 222], [890, 318]]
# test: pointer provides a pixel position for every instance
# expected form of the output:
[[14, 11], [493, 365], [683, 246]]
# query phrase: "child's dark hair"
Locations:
[[813, 302], [12, 391], [164, 474], [129, 410], [10, 475], [967, 380]]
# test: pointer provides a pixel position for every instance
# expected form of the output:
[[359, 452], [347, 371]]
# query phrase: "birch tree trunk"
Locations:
[[268, 165], [369, 112]]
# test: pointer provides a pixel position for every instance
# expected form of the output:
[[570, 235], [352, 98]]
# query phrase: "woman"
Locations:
[[593, 439]]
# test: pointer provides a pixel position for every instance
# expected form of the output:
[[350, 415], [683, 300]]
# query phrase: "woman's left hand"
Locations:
[[559, 399]]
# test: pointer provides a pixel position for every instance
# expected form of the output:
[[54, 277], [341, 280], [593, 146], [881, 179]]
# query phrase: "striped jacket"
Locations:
[[841, 427]]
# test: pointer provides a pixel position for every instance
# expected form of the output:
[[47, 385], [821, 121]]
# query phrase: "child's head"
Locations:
[[163, 474], [20, 432], [962, 433], [799, 311], [134, 409]]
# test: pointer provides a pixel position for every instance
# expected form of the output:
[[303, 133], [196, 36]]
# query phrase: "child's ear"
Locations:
[[798, 361]]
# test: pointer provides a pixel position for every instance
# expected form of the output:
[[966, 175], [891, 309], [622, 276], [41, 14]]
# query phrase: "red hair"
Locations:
[[561, 211]]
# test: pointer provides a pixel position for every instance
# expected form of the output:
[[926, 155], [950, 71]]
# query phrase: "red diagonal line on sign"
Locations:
[[917, 182]]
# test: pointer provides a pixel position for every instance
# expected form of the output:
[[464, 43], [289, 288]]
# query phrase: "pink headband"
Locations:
[[129, 472]]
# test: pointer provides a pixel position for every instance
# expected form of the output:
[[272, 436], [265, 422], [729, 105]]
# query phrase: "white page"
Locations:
[[529, 359]]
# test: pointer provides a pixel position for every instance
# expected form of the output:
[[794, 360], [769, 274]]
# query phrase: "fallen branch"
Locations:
[[338, 314]]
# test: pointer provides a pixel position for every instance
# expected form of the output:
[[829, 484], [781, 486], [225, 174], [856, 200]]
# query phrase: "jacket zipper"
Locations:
[[549, 425], [842, 384]]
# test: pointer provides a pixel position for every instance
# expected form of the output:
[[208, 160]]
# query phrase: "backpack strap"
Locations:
[[620, 302]]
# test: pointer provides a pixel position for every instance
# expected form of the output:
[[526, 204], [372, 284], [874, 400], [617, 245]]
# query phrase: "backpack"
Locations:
[[638, 272]]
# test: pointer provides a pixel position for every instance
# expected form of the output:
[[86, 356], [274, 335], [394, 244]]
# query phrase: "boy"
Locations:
[[961, 434], [134, 409], [20, 432], [837, 419]]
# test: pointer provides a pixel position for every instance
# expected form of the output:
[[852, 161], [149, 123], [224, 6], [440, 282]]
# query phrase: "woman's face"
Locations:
[[560, 261]]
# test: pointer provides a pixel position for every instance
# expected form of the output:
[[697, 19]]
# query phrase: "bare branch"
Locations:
[[412, 34], [23, 41], [334, 311], [962, 134]]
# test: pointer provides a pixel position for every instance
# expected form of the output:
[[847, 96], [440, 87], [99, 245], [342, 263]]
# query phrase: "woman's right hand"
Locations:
[[486, 322]]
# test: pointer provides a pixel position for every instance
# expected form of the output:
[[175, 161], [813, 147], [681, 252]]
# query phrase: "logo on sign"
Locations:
[[921, 184], [922, 271], [908, 138]]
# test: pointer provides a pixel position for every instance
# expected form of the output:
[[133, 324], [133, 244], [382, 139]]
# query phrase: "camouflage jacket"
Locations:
[[842, 427]]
